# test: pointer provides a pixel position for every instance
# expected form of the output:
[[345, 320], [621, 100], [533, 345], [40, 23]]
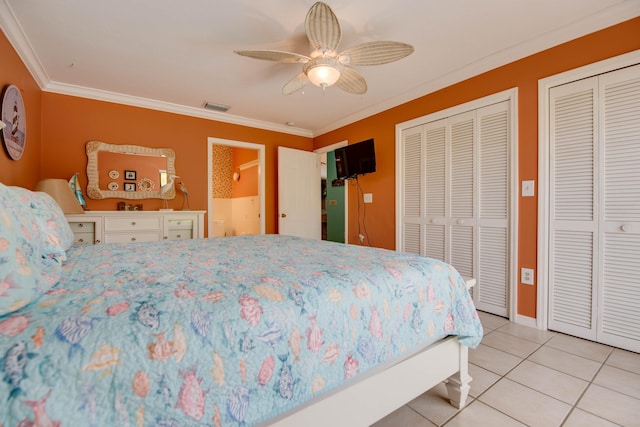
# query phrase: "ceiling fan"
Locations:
[[324, 66]]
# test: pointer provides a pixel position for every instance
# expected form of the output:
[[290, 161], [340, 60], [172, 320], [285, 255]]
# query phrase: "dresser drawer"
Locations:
[[124, 237], [180, 224], [183, 234], [142, 226], [82, 238], [131, 224], [83, 227]]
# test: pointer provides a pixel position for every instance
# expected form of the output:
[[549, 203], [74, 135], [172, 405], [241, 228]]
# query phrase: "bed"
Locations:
[[242, 331]]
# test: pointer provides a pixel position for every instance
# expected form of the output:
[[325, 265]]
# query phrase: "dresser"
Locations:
[[96, 227]]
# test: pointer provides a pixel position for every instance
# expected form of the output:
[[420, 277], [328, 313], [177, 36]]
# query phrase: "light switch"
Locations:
[[528, 188], [368, 197]]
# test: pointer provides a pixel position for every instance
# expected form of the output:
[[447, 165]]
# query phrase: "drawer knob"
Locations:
[[97, 241], [133, 239], [133, 223], [80, 225], [80, 240]]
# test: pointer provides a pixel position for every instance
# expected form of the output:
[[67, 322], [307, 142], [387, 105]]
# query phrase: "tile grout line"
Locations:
[[540, 344], [477, 398], [573, 408], [574, 405]]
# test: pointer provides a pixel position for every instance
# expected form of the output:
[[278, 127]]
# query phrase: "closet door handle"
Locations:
[[283, 215], [624, 227], [460, 222]]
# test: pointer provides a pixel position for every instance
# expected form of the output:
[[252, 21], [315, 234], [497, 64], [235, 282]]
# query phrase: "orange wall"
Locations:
[[25, 171], [69, 122], [55, 145], [247, 185], [523, 74]]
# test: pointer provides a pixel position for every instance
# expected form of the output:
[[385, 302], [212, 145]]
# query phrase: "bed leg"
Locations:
[[458, 385]]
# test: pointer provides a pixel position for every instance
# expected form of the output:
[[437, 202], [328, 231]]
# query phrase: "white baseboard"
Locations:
[[526, 321]]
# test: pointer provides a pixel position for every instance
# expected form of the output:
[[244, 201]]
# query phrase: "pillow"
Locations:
[[56, 231], [25, 271]]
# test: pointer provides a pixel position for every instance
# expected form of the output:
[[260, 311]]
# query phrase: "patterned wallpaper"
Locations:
[[222, 171]]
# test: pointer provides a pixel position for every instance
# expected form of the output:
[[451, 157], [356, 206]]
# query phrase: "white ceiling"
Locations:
[[174, 56]]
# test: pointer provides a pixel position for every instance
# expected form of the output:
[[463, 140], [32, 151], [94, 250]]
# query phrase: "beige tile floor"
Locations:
[[526, 377]]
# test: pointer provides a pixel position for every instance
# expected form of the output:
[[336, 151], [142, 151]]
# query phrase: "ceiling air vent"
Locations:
[[221, 108]]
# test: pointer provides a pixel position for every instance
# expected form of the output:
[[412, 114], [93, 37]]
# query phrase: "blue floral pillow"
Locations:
[[56, 232], [25, 271]]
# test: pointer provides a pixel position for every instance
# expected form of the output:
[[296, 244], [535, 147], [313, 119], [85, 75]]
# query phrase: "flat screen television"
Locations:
[[355, 159]]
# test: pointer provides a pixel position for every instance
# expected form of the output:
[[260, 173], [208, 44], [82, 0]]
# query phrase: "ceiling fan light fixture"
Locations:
[[326, 67], [323, 72]]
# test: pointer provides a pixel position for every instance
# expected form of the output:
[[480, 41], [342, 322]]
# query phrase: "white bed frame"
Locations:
[[367, 401]]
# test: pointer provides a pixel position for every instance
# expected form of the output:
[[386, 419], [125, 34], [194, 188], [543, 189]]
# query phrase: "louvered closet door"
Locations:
[[492, 256], [619, 293], [462, 193], [454, 200], [573, 224], [436, 135], [594, 254], [412, 201]]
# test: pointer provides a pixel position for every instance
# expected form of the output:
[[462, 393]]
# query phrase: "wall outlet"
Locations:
[[361, 237], [526, 276], [368, 197]]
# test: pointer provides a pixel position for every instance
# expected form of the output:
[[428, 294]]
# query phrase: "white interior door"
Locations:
[[299, 197]]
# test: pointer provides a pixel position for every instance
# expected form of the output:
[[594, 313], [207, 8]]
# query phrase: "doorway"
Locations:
[[236, 188], [334, 196], [299, 193]]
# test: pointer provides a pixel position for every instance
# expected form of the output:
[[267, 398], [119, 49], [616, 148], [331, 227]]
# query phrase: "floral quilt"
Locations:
[[217, 332]]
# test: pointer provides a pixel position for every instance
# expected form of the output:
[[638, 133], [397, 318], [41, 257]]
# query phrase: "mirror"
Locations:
[[129, 171]]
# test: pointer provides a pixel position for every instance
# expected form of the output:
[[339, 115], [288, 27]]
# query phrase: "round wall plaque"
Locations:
[[14, 120]]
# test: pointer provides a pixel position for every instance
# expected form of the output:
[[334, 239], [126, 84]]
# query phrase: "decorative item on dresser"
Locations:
[[136, 226]]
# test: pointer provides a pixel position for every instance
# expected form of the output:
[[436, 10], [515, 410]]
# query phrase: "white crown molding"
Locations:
[[16, 36], [135, 101], [623, 11], [14, 33]]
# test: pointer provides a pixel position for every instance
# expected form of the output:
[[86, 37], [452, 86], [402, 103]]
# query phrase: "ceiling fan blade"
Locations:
[[275, 55], [322, 28], [375, 53], [351, 81], [295, 84]]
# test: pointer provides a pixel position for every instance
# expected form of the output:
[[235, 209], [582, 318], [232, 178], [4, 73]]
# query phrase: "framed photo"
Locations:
[[130, 175], [14, 122], [129, 186]]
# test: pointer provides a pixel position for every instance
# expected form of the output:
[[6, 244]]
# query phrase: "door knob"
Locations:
[[283, 215]]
